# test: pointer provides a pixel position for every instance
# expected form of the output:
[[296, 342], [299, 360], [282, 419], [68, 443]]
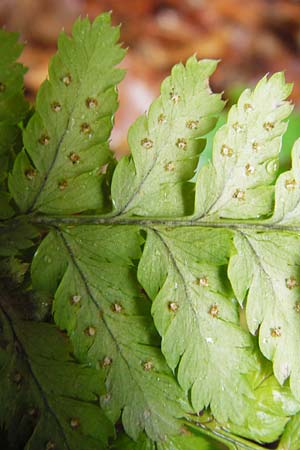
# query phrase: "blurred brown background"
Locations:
[[251, 37]]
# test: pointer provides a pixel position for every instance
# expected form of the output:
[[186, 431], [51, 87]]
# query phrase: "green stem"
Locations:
[[153, 222], [214, 431]]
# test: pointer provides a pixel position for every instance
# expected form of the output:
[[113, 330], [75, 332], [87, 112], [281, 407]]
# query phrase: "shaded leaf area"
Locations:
[[66, 140], [166, 144], [13, 109], [16, 236], [184, 272], [245, 155], [53, 399], [99, 302]]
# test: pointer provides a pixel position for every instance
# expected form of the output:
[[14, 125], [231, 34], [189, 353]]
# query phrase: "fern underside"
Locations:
[[175, 289]]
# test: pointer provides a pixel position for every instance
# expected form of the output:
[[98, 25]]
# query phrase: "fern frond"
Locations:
[[13, 109], [99, 302], [166, 144], [66, 140], [53, 399]]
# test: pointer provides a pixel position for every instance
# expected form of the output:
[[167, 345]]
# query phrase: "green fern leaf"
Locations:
[[16, 236], [245, 155], [166, 145], [264, 272], [214, 286], [291, 437], [269, 410], [188, 442], [66, 139], [125, 443], [107, 317], [287, 194], [53, 400], [185, 441], [13, 109], [184, 272]]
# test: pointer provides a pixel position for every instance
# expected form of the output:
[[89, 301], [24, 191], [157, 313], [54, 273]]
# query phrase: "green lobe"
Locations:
[[267, 274], [211, 288], [107, 316], [16, 236], [287, 193], [13, 109], [270, 408], [290, 439], [197, 316], [185, 441], [66, 139], [52, 398], [166, 144], [238, 182]]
